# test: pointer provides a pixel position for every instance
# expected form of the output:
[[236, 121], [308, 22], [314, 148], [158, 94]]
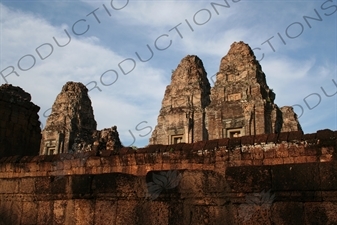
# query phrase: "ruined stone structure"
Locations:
[[71, 121], [20, 131], [289, 119], [218, 182], [182, 116], [106, 139], [240, 103], [71, 126], [248, 161]]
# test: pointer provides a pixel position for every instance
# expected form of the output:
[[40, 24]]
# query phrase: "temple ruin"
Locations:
[[20, 131], [71, 119], [71, 126], [182, 116], [239, 104], [244, 160]]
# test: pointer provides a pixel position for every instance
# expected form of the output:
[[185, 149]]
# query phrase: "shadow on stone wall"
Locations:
[[9, 213], [304, 194]]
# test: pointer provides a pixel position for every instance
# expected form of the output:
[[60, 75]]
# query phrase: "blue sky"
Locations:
[[297, 67]]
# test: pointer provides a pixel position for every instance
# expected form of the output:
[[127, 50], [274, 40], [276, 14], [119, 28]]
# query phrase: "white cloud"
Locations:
[[125, 103]]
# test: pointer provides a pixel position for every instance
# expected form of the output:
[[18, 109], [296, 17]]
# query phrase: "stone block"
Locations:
[[300, 159], [295, 151], [32, 167], [27, 185], [106, 153], [154, 148], [139, 159], [58, 184], [59, 212], [282, 152], [211, 145], [301, 177], [277, 161], [290, 213], [223, 142], [249, 178], [311, 151], [283, 136], [289, 160], [325, 134], [310, 138], [234, 142], [29, 213], [258, 162], [42, 185], [295, 136], [103, 216], [270, 153], [268, 161], [310, 159], [185, 148], [147, 213], [261, 138], [93, 162], [126, 212], [257, 153], [10, 186], [246, 155], [325, 158], [66, 165], [84, 211], [45, 212], [45, 166], [235, 154], [247, 140], [329, 196], [320, 213], [77, 162], [272, 138], [80, 184], [328, 175]]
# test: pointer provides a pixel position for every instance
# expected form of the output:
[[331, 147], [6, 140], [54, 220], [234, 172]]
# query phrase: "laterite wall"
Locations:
[[218, 178]]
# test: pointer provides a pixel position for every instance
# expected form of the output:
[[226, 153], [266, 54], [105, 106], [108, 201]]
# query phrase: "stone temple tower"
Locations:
[[182, 116], [241, 101], [71, 119]]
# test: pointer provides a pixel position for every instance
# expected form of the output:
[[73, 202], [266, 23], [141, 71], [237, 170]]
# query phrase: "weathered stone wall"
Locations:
[[20, 131], [304, 194], [217, 178]]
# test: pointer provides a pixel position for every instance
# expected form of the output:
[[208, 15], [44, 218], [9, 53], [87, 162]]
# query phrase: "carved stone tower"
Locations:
[[241, 101], [182, 116], [71, 118]]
